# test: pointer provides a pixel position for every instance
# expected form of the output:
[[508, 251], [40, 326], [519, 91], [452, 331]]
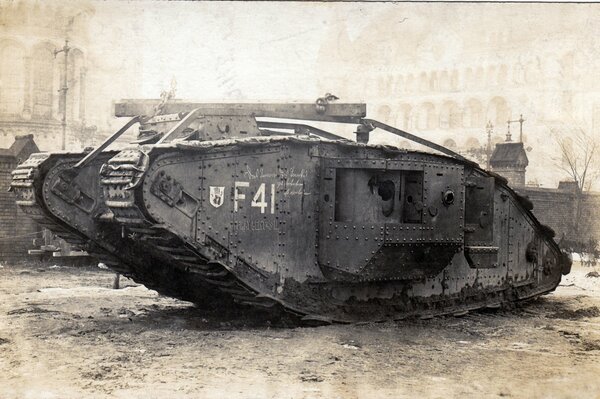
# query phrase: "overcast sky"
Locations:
[[264, 50], [270, 51]]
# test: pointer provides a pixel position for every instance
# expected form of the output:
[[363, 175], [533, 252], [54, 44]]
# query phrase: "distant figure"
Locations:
[[116, 281], [117, 276]]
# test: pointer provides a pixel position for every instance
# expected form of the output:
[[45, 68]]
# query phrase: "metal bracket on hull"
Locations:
[[65, 186], [412, 137], [89, 157], [298, 128], [70, 192], [177, 129], [171, 192], [482, 257]]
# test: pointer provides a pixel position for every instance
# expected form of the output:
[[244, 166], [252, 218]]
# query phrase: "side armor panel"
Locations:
[[389, 219]]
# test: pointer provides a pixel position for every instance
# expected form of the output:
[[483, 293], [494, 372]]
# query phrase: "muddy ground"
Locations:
[[65, 334]]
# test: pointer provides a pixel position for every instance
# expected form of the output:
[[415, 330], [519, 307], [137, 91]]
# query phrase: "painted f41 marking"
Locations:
[[259, 200]]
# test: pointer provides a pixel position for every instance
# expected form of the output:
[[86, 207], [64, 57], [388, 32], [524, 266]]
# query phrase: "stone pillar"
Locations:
[[56, 85], [27, 80], [82, 75]]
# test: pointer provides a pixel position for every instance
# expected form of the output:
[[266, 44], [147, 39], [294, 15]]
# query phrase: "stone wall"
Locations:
[[556, 208]]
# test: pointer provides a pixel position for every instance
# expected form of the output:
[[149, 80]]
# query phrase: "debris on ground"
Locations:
[[66, 334]]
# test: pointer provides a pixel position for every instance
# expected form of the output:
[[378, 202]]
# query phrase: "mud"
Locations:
[[64, 333]]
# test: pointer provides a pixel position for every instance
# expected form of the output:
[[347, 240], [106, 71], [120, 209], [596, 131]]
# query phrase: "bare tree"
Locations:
[[579, 153], [580, 161]]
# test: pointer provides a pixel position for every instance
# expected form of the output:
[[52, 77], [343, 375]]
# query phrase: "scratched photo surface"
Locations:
[[512, 87]]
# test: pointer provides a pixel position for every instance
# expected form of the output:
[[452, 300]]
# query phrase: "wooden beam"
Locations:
[[334, 112]]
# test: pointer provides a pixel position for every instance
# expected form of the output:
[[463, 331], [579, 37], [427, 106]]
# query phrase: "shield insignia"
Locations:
[[216, 196]]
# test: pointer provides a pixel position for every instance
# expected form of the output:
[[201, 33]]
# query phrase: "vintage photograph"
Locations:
[[299, 199]]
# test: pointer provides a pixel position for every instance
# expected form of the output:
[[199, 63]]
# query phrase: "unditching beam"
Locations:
[[333, 112]]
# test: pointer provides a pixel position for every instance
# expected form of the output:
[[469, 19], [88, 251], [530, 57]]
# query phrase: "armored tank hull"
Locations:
[[235, 209]]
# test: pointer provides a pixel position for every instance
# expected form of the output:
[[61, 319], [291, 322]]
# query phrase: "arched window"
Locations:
[[532, 72], [405, 116], [473, 113], [423, 82], [384, 85], [409, 83], [444, 81], [469, 79], [450, 115], [404, 144], [383, 114], [454, 80], [479, 77], [518, 74], [399, 85], [491, 79], [433, 81], [426, 117], [12, 76], [43, 65], [75, 103], [502, 75], [449, 143], [498, 112]]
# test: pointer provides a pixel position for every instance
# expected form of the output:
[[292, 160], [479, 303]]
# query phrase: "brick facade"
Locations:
[[17, 231]]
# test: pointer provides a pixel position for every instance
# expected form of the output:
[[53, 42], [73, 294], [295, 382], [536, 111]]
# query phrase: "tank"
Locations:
[[243, 204]]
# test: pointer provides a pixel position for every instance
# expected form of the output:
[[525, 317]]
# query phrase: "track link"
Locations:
[[27, 183]]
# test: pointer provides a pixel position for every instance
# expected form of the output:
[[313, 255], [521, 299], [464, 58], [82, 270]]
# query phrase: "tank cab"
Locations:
[[399, 218]]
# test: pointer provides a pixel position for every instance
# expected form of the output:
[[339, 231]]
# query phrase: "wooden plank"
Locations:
[[334, 112]]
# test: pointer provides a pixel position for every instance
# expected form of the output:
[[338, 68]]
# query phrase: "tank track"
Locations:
[[210, 270], [120, 181], [27, 183], [216, 274]]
